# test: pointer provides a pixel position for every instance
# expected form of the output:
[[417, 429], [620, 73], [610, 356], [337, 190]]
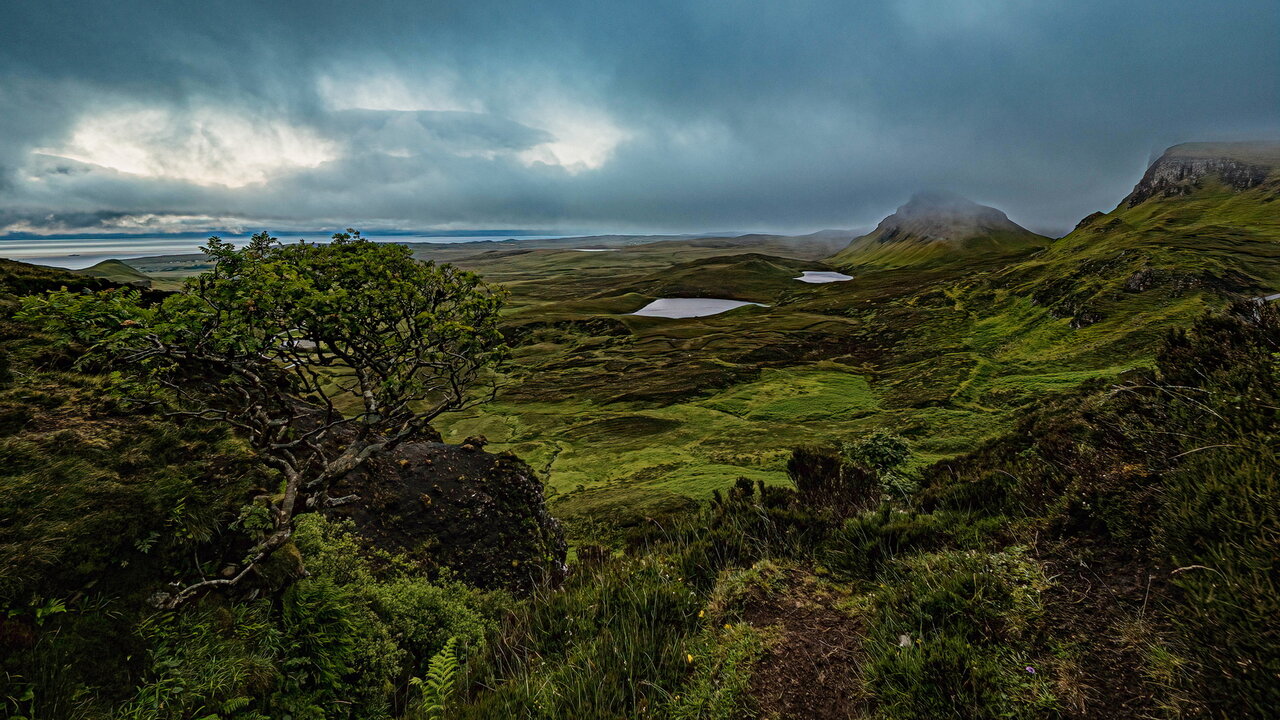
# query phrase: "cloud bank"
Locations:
[[567, 114]]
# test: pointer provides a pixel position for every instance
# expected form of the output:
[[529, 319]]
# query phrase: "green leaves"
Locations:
[[319, 355], [438, 686], [101, 322], [362, 328], [410, 332]]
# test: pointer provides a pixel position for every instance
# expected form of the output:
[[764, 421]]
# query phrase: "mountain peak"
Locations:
[[934, 226], [943, 216], [938, 199]]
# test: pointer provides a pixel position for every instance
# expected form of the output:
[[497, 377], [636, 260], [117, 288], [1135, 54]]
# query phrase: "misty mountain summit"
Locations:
[[944, 217], [936, 227]]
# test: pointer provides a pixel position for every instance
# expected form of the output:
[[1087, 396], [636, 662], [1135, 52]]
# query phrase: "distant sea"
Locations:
[[75, 253]]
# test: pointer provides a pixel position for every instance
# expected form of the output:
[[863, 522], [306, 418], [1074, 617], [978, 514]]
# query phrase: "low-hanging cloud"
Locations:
[[689, 115]]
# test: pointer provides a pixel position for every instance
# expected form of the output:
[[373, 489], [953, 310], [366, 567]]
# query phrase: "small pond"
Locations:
[[690, 307], [822, 276]]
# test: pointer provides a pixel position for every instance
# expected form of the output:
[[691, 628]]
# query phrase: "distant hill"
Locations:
[[749, 276], [118, 272], [1202, 221], [19, 278], [934, 228]]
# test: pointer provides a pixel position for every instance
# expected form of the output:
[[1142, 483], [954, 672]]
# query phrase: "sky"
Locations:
[[593, 115]]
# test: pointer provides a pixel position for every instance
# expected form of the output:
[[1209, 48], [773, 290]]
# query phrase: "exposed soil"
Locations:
[[813, 667], [1097, 596]]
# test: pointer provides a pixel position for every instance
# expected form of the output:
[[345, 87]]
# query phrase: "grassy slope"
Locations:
[[118, 272], [690, 404], [868, 251], [618, 410], [943, 352]]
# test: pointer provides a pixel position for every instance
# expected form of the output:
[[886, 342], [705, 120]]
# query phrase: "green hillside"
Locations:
[[118, 272], [937, 228], [990, 476], [1164, 254]]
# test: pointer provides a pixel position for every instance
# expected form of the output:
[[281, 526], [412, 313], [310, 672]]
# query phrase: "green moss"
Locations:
[[722, 659]]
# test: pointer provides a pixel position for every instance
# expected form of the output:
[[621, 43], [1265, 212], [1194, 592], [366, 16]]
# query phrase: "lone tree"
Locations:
[[322, 355]]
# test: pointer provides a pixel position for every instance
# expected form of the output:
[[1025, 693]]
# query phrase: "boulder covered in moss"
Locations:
[[483, 516]]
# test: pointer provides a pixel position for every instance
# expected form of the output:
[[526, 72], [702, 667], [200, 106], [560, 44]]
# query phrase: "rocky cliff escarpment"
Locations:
[[1183, 169]]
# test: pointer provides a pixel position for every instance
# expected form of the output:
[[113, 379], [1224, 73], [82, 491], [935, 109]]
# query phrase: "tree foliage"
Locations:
[[322, 355]]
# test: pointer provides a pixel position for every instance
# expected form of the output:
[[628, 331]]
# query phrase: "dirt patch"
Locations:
[[1098, 598], [813, 667]]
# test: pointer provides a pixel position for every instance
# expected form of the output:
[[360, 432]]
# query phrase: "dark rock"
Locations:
[[483, 516], [1086, 318], [1140, 281], [1090, 219], [1175, 174], [1114, 224]]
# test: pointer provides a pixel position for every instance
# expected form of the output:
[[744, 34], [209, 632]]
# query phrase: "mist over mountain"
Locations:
[[943, 217], [938, 226]]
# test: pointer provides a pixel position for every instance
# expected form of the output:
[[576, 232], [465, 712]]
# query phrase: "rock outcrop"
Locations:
[[481, 515], [1183, 169]]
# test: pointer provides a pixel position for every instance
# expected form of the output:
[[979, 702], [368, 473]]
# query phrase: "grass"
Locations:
[[1047, 550], [689, 448], [947, 352], [799, 396], [682, 407], [723, 659], [952, 634]]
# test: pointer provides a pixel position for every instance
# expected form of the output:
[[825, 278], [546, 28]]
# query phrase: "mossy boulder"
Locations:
[[481, 515]]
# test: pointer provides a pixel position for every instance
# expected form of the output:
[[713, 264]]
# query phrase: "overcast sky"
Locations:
[[607, 116]]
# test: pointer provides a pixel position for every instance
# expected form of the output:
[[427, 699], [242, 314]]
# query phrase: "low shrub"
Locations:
[[859, 548], [823, 478], [950, 635], [341, 643]]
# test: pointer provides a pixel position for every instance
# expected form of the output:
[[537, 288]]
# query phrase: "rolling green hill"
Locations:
[[988, 476], [1199, 228], [935, 228], [947, 329], [117, 271]]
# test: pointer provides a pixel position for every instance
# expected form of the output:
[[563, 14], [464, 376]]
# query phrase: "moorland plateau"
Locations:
[[993, 474]]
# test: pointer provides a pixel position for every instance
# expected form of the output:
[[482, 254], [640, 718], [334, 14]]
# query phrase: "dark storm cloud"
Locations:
[[610, 116]]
